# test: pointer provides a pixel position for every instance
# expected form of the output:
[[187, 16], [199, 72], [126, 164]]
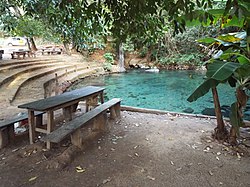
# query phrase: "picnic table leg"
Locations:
[[67, 113], [31, 120], [39, 120], [50, 125], [102, 97]]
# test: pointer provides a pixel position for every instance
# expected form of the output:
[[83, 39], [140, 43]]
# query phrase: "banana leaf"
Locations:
[[203, 89], [243, 72], [221, 71], [218, 72]]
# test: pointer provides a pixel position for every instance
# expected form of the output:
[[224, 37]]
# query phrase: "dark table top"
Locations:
[[56, 101]]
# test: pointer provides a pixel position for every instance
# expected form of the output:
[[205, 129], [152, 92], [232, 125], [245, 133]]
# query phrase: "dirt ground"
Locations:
[[139, 150]]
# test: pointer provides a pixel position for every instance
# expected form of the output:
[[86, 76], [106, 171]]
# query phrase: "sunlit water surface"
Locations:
[[166, 90]]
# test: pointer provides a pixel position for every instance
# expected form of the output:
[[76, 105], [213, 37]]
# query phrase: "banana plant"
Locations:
[[229, 65]]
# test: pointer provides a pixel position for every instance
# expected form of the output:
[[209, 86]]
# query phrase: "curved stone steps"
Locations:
[[38, 90], [21, 87], [9, 63], [11, 89], [17, 66], [11, 75], [38, 86]]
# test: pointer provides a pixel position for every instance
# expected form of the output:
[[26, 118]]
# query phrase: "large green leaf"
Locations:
[[243, 72], [203, 89], [221, 71], [228, 38], [207, 40], [243, 60]]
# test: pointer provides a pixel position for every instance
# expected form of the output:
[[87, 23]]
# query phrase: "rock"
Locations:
[[188, 110], [208, 112]]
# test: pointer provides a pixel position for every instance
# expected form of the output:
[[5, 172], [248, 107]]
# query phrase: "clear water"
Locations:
[[166, 90]]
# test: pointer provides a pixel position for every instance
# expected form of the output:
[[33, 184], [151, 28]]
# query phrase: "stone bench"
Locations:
[[96, 117], [7, 127]]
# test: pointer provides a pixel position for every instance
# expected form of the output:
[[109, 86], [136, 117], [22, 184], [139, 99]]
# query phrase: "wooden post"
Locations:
[[31, 120]]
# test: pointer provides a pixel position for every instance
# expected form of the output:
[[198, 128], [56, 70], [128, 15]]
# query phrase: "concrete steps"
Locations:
[[46, 86], [12, 87], [27, 80]]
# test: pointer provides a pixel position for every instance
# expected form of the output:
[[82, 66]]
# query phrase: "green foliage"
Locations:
[[143, 52], [230, 64], [218, 72], [29, 27], [182, 59], [107, 66], [109, 57], [109, 61]]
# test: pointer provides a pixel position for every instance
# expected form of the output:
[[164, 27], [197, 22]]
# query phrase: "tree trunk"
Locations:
[[66, 47], [28, 43], [121, 58], [242, 99], [33, 45], [220, 132]]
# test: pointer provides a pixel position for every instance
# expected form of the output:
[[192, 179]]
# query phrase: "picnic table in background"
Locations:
[[52, 49], [21, 52]]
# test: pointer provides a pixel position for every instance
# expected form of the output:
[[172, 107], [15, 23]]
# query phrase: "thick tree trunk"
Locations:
[[33, 44], [28, 43], [121, 58], [220, 132], [66, 47]]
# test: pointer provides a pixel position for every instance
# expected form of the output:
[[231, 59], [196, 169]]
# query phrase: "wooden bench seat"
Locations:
[[97, 117], [7, 127]]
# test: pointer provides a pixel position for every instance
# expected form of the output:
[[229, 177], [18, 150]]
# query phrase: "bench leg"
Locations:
[[39, 120], [11, 133], [67, 113], [4, 139], [91, 103], [118, 110], [50, 126], [31, 120], [115, 111], [7, 135], [76, 138], [74, 107], [100, 122]]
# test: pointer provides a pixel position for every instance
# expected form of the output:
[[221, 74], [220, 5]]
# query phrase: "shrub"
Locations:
[[109, 57]]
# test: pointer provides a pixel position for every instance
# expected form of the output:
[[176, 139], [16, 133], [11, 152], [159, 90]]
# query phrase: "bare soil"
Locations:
[[139, 150]]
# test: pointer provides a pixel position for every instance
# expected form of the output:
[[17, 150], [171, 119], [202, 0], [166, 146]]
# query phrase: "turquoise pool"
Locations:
[[165, 90]]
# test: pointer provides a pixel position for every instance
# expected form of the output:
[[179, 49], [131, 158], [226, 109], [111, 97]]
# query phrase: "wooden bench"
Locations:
[[97, 117], [7, 127]]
